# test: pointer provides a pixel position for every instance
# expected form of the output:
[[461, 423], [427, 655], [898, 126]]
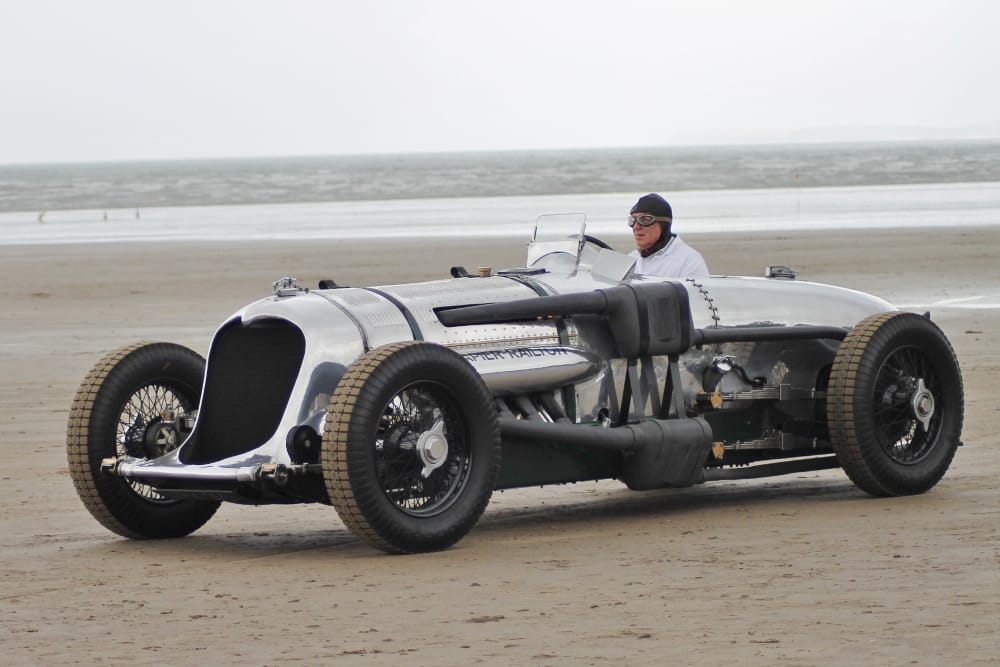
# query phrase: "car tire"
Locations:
[[411, 447], [895, 404], [117, 403]]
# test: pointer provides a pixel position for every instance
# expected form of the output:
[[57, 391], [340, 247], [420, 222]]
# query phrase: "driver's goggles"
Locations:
[[645, 220]]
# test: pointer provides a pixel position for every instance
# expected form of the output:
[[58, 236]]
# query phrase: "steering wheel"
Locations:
[[596, 241]]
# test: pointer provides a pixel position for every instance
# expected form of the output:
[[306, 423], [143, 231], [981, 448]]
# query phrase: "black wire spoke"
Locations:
[[423, 406], [899, 438], [397, 466], [894, 424], [899, 433], [401, 481], [892, 412], [910, 363], [143, 408], [926, 371], [892, 371], [415, 410]]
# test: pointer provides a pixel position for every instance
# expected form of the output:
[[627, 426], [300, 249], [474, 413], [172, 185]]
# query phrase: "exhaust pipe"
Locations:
[[656, 453]]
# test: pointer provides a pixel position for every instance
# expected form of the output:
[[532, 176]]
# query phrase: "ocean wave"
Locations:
[[130, 185]]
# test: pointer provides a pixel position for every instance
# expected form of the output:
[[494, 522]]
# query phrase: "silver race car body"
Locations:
[[405, 406]]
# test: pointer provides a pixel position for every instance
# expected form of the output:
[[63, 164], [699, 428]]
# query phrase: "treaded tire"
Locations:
[[118, 399], [384, 412], [874, 429]]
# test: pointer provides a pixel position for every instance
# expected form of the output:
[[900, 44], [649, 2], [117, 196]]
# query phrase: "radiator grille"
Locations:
[[251, 372]]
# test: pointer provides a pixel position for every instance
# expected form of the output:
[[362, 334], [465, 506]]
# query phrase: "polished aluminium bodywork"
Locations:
[[548, 369]]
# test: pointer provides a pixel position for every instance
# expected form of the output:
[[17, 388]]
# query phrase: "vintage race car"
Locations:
[[405, 406]]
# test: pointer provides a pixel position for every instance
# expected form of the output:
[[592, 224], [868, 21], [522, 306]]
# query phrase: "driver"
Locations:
[[658, 251]]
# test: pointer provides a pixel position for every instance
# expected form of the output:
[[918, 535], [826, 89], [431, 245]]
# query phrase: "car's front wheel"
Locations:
[[895, 404], [411, 447], [119, 412]]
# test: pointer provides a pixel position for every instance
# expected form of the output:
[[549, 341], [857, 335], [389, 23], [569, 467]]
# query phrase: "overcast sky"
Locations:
[[149, 79]]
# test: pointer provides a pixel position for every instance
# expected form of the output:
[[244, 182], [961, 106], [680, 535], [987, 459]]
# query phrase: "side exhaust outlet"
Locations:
[[657, 453]]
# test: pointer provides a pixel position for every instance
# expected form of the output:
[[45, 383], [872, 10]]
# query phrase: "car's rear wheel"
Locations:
[[411, 447], [895, 404], [118, 412]]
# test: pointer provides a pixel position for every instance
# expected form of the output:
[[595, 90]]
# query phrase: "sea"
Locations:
[[502, 193]]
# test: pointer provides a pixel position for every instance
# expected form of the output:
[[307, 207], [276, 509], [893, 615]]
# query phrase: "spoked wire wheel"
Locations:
[[138, 434], [119, 412], [895, 404], [422, 455], [411, 447], [904, 408]]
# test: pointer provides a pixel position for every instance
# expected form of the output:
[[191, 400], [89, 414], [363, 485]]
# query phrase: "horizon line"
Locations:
[[547, 149]]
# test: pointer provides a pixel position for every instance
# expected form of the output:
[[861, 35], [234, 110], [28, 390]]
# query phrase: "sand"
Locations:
[[796, 570]]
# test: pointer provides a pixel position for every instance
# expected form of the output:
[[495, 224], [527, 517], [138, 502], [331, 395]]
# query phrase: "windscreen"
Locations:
[[557, 236]]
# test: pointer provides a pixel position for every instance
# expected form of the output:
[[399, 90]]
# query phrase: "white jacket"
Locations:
[[675, 260]]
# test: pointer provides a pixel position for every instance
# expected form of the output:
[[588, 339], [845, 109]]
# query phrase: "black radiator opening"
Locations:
[[251, 373]]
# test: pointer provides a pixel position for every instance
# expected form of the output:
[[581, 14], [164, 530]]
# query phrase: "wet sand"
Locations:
[[796, 570]]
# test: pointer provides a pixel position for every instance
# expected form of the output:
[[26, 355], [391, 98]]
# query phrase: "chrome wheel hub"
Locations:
[[922, 404], [432, 446]]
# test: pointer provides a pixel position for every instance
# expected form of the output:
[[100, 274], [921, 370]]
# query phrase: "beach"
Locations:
[[796, 570]]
